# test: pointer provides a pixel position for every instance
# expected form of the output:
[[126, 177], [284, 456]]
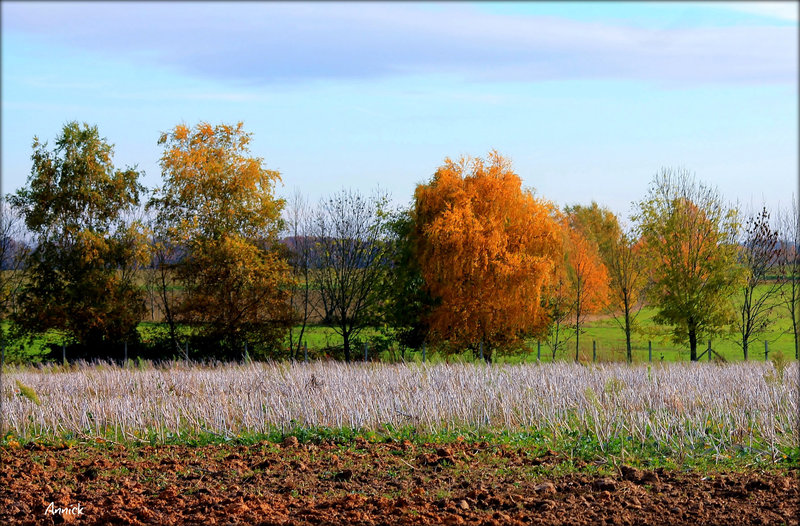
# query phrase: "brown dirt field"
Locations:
[[372, 484]]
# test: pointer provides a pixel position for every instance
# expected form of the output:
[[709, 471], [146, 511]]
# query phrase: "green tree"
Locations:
[[81, 271], [217, 205], [408, 304], [689, 241]]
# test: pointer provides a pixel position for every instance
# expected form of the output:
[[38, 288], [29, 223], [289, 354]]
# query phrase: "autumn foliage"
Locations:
[[486, 249], [579, 284], [689, 239], [477, 263], [588, 277], [218, 204]]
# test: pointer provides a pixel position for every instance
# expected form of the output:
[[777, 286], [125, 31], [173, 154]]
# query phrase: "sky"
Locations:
[[589, 100]]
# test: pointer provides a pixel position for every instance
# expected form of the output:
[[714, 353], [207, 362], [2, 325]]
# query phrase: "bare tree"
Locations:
[[163, 282], [759, 254], [161, 279], [300, 244], [628, 282], [557, 299], [14, 248], [789, 265], [13, 251], [351, 231]]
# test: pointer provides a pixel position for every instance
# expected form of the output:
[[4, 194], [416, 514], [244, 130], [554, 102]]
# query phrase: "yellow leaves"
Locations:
[[211, 177], [218, 203]]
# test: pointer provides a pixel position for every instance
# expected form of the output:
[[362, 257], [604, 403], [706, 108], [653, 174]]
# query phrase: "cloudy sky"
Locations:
[[589, 100]]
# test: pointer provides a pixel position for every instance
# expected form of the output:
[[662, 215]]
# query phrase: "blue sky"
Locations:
[[589, 99]]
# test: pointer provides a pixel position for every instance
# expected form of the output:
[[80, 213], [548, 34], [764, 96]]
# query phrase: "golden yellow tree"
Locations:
[[486, 248], [218, 205]]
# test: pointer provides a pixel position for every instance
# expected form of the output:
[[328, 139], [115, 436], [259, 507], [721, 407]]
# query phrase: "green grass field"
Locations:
[[605, 332]]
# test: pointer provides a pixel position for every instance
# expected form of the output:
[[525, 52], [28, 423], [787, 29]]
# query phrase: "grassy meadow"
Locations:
[[602, 329]]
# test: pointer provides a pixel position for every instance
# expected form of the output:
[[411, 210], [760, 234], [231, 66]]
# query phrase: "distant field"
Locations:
[[604, 331]]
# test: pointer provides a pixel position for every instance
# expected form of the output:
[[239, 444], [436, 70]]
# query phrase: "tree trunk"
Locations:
[[745, 345], [166, 296], [629, 353], [346, 344], [692, 343], [793, 311], [577, 328], [555, 343], [628, 348]]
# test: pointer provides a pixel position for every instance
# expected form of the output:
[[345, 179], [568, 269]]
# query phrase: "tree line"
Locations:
[[476, 261]]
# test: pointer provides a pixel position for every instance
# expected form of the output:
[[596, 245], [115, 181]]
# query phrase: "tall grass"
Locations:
[[676, 406]]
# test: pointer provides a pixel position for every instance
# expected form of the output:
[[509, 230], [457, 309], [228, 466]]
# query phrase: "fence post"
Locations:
[[709, 350], [766, 351], [64, 354], [480, 346], [649, 351], [594, 351], [125, 360], [186, 352], [538, 350], [305, 352], [423, 352], [365, 351]]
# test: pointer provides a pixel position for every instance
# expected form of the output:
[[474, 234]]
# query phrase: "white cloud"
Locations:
[[266, 43]]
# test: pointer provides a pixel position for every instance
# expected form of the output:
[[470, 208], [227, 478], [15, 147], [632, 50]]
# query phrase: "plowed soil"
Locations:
[[371, 484]]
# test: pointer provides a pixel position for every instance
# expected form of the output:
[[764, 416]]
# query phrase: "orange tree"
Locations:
[[218, 204], [689, 242], [598, 224], [486, 248], [587, 275], [619, 251]]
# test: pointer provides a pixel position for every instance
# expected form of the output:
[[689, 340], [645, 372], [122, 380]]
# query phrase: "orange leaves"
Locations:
[[587, 273], [486, 248]]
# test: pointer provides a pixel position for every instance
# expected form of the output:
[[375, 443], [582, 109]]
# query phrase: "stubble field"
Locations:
[[397, 444]]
